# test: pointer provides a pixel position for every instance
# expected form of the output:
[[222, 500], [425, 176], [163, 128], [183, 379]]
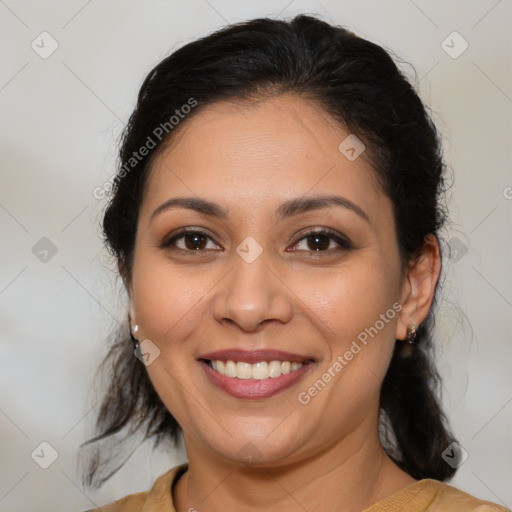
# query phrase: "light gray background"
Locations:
[[61, 117]]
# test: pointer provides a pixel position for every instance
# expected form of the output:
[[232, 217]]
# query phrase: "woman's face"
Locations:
[[251, 279]]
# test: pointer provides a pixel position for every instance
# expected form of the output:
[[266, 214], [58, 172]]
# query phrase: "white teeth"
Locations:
[[243, 370], [259, 371], [229, 369], [274, 369], [286, 367]]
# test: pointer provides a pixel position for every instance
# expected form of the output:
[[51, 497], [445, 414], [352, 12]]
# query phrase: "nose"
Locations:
[[251, 294]]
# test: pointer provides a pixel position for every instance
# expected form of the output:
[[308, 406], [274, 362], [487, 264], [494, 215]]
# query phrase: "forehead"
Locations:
[[257, 154]]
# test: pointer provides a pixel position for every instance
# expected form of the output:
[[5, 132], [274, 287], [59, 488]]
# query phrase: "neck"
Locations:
[[350, 476]]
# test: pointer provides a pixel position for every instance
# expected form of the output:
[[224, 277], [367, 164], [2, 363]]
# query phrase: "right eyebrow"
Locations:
[[192, 203]]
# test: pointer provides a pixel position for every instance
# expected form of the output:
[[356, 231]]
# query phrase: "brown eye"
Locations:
[[321, 241], [195, 241], [190, 241], [318, 242]]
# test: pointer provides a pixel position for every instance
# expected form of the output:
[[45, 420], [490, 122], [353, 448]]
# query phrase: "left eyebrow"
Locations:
[[304, 204]]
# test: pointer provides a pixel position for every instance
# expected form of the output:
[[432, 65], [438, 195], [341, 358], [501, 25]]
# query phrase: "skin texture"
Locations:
[[249, 158]]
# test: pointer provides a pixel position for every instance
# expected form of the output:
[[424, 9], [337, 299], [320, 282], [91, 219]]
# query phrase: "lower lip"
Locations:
[[252, 388]]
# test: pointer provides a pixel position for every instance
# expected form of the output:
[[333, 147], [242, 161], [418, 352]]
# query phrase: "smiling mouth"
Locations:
[[261, 370], [255, 374]]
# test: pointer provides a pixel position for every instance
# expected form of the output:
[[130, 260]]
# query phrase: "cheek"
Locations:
[[355, 310], [169, 304], [349, 300], [169, 300]]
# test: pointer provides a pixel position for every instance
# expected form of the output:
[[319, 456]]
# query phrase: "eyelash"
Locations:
[[344, 244]]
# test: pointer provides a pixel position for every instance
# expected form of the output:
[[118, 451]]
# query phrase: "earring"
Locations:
[[134, 340], [412, 331]]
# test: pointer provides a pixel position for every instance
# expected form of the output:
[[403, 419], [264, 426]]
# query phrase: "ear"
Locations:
[[419, 286], [129, 289]]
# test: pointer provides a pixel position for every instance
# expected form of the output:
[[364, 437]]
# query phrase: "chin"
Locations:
[[260, 451]]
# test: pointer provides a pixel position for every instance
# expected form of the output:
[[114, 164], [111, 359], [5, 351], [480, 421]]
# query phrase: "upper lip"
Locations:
[[254, 356]]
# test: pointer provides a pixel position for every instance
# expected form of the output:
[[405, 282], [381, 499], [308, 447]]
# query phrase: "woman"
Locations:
[[275, 219]]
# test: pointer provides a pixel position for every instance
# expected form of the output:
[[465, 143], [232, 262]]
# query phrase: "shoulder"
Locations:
[[131, 503], [160, 494], [450, 498], [429, 495]]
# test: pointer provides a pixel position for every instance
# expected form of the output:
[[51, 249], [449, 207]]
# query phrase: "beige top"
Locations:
[[423, 496]]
